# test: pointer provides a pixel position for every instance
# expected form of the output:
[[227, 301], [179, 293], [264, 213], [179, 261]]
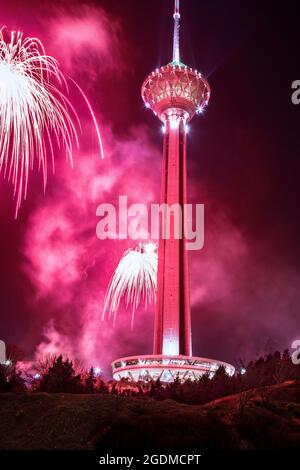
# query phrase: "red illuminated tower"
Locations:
[[175, 93]]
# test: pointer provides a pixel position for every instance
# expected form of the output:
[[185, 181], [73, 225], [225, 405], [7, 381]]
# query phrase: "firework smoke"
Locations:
[[134, 279], [33, 110]]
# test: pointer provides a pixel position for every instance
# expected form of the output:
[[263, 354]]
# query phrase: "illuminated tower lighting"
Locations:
[[175, 93]]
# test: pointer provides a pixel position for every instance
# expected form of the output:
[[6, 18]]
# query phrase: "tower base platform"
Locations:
[[166, 368]]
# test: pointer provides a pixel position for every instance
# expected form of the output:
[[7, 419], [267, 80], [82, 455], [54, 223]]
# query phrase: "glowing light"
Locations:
[[174, 122], [170, 346], [134, 280], [37, 376], [147, 105], [8, 362], [186, 128], [163, 129], [243, 370], [33, 110], [97, 370], [200, 110]]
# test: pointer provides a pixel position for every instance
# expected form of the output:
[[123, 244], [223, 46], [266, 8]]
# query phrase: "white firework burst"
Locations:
[[35, 115], [134, 280]]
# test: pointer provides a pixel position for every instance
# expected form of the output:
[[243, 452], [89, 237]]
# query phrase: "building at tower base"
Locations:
[[166, 368]]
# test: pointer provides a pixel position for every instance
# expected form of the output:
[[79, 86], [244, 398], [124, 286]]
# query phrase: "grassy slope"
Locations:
[[264, 418]]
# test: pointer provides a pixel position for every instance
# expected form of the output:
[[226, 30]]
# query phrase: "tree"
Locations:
[[221, 384], [61, 377], [16, 382], [102, 386], [4, 385], [11, 380], [156, 389], [90, 382]]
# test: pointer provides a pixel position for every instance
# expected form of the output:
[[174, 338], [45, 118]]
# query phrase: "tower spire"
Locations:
[[176, 49]]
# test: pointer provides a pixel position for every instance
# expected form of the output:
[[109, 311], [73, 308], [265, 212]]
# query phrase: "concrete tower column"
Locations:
[[172, 330]]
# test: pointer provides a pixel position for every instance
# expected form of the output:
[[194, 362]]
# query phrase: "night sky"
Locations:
[[243, 163]]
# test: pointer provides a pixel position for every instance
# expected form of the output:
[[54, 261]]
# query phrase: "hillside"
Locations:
[[265, 418]]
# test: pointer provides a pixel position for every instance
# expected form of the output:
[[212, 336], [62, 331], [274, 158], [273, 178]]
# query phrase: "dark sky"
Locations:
[[243, 159]]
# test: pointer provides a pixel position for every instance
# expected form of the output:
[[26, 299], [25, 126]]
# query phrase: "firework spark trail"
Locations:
[[134, 280], [33, 110]]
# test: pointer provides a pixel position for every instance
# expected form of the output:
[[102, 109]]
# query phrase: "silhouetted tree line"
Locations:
[[11, 380], [273, 369], [60, 377]]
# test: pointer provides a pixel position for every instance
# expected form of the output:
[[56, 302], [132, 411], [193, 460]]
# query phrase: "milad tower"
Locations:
[[175, 93]]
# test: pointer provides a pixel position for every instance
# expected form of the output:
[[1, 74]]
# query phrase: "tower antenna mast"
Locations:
[[176, 49]]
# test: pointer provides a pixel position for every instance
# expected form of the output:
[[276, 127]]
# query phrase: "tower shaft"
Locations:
[[172, 329]]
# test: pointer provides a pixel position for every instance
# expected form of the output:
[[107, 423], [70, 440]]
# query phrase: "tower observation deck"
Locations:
[[175, 93]]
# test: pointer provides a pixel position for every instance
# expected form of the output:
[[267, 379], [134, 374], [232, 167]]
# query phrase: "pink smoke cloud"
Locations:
[[85, 39], [54, 252], [54, 343], [65, 260]]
